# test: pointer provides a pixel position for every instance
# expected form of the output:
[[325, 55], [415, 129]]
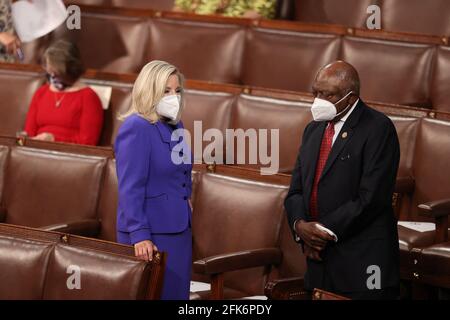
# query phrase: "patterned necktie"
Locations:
[[325, 148]]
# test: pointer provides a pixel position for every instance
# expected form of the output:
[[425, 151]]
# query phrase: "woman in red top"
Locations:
[[64, 110]]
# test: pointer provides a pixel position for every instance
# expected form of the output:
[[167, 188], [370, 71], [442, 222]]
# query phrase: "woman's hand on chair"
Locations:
[[144, 250]]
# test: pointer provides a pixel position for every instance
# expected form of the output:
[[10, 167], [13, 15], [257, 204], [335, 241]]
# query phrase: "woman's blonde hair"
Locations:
[[149, 89]]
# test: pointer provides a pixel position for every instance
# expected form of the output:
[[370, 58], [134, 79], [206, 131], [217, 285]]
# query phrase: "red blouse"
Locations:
[[78, 119]]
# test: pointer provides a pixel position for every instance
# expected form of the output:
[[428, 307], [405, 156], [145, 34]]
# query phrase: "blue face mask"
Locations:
[[56, 82]]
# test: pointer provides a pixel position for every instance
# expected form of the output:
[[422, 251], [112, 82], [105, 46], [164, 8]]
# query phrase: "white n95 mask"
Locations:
[[169, 107], [324, 110]]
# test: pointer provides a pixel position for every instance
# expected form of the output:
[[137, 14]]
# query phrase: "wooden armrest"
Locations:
[[404, 185], [238, 260], [435, 209], [287, 289], [319, 294], [439, 210], [87, 228]]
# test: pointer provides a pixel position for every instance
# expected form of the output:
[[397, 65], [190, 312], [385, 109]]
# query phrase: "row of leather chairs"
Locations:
[[217, 106], [423, 153], [76, 192], [428, 17], [240, 246], [44, 265], [394, 68]]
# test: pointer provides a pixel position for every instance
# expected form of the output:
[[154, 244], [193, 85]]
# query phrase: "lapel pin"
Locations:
[[344, 135]]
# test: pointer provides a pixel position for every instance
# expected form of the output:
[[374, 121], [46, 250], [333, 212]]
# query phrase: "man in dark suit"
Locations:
[[339, 204]]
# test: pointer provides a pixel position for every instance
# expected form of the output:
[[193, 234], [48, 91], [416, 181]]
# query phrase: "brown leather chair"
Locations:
[[52, 190], [121, 46], [235, 235], [432, 266], [430, 17], [441, 78], [431, 191], [120, 102], [107, 206], [295, 58], [203, 51], [407, 133], [36, 264], [391, 71], [213, 109], [286, 279], [289, 117], [15, 99], [351, 13]]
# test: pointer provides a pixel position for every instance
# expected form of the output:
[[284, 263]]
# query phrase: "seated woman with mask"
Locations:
[[64, 110]]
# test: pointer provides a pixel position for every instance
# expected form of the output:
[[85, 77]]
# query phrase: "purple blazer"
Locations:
[[153, 190]]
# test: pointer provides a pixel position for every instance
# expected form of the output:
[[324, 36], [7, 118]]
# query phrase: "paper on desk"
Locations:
[[418, 226], [36, 19], [104, 93]]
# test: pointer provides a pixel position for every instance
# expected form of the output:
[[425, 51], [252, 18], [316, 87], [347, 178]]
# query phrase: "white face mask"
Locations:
[[324, 110], [169, 107]]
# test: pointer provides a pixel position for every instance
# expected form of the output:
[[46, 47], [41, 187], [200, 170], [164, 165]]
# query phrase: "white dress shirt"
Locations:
[[339, 124]]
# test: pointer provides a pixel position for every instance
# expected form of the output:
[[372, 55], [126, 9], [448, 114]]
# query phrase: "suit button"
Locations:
[[184, 185], [185, 172], [185, 198], [181, 153]]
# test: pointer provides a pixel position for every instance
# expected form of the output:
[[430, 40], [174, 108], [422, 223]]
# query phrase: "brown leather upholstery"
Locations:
[[293, 263], [120, 102], [234, 223], [203, 51], [295, 58], [213, 109], [107, 207], [289, 117], [431, 156], [36, 264], [434, 265], [407, 131], [22, 267], [345, 12], [409, 239], [431, 162], [441, 78], [390, 71], [4, 151], [418, 16], [44, 188], [15, 99], [120, 48]]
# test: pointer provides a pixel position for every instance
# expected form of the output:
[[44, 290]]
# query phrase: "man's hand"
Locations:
[[311, 235], [144, 250], [311, 253]]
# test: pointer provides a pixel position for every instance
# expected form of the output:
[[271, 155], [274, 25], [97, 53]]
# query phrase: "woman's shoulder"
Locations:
[[42, 89], [89, 93], [136, 122]]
